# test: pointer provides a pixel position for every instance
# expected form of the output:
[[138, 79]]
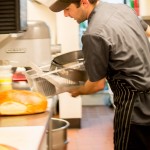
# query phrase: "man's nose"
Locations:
[[66, 14]]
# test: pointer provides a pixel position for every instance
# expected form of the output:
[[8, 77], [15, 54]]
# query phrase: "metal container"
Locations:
[[59, 134], [69, 59]]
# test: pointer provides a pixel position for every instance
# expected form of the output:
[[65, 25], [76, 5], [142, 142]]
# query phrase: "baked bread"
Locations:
[[18, 102], [6, 147]]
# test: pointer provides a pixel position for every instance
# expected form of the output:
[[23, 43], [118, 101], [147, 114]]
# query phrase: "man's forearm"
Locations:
[[89, 88]]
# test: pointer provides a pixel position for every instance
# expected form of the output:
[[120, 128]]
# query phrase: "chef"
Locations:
[[116, 48]]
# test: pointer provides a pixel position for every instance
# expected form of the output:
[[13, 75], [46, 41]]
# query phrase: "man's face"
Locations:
[[78, 13]]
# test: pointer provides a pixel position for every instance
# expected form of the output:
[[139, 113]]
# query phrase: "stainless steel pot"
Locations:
[[59, 134]]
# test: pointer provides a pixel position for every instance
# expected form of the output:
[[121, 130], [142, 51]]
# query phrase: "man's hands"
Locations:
[[88, 88]]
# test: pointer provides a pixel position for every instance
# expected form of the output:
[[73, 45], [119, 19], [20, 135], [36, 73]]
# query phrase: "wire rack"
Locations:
[[50, 83]]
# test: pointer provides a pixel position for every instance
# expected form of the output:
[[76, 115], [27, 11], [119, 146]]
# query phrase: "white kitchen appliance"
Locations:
[[33, 45]]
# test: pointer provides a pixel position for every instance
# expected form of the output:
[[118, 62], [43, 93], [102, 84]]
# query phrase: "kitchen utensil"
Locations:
[[69, 59], [51, 83], [65, 73], [59, 133]]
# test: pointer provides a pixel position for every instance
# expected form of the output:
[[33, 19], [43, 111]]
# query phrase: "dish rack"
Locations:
[[59, 80]]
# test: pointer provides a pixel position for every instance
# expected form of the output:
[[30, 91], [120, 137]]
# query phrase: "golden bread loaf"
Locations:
[[6, 147], [18, 102]]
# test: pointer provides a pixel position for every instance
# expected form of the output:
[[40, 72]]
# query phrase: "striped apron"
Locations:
[[124, 102]]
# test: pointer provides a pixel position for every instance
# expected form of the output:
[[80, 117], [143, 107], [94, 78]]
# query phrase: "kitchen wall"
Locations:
[[144, 7], [64, 31], [37, 11], [67, 32]]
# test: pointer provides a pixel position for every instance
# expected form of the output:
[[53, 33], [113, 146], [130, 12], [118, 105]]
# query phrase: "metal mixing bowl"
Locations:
[[66, 60]]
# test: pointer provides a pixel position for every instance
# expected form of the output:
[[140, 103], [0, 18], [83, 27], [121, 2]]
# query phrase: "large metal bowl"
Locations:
[[69, 57], [67, 60]]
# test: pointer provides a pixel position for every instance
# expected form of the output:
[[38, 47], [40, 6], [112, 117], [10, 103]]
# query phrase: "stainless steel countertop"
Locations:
[[17, 131], [40, 119]]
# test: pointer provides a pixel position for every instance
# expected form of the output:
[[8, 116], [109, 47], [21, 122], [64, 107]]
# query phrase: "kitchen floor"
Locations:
[[96, 132]]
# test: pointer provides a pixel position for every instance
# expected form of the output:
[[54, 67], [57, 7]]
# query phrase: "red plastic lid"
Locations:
[[19, 77]]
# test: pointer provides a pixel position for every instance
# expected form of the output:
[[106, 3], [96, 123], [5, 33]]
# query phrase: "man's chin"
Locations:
[[79, 21]]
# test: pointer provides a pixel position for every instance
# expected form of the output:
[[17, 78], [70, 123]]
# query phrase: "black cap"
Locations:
[[59, 5]]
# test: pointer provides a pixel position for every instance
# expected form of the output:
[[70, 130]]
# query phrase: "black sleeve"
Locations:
[[96, 54]]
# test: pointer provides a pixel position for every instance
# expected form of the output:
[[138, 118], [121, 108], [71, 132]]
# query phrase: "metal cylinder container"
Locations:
[[59, 134]]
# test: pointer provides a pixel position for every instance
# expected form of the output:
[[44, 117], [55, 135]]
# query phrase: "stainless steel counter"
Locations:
[[27, 132]]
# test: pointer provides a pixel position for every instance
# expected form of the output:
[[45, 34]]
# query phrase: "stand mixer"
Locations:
[[32, 45]]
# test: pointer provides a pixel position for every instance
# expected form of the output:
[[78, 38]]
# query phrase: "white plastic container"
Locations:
[[5, 77]]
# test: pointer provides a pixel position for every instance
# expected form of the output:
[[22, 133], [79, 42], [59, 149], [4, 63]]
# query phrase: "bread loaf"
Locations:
[[17, 102], [6, 147]]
